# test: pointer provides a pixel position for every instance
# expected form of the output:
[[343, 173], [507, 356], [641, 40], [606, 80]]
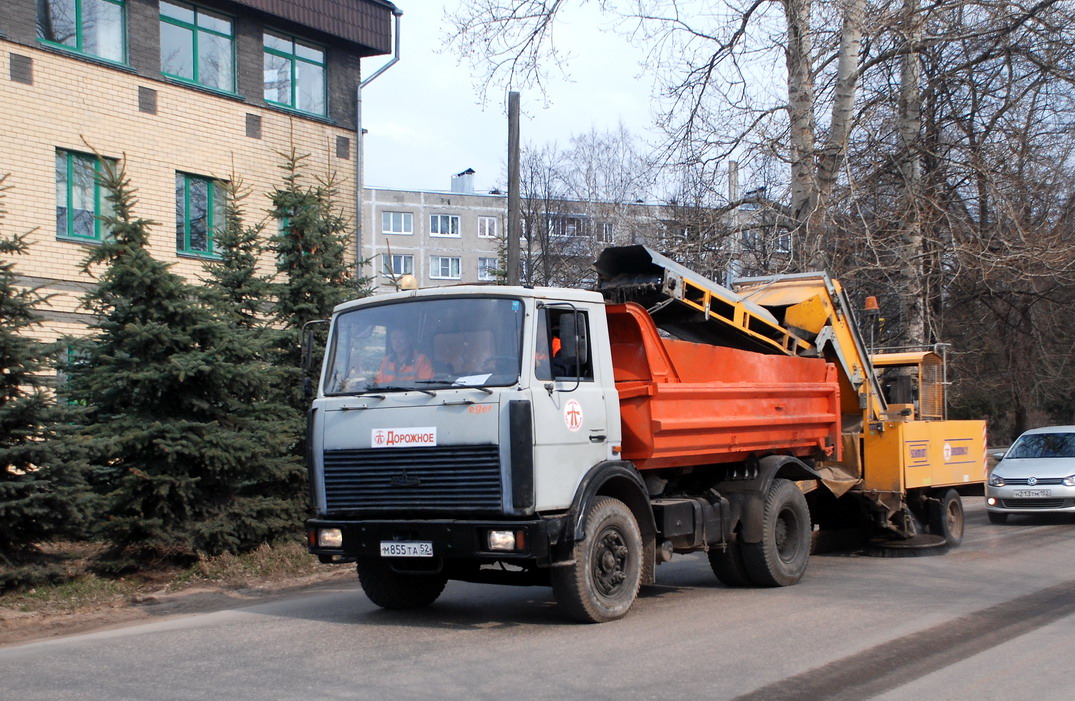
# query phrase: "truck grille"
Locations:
[[462, 478]]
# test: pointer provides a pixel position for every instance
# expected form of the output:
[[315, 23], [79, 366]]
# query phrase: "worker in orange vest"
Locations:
[[403, 362]]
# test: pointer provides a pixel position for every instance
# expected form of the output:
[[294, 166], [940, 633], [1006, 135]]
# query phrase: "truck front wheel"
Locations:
[[602, 582], [398, 590], [779, 560]]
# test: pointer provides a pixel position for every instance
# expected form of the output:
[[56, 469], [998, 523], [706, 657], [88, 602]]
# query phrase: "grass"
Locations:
[[83, 590]]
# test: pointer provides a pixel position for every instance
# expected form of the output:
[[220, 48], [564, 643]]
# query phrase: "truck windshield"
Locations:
[[426, 344]]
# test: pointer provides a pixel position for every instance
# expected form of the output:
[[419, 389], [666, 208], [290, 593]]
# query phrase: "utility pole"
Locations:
[[514, 208]]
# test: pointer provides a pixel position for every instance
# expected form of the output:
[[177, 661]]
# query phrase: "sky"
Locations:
[[425, 122]]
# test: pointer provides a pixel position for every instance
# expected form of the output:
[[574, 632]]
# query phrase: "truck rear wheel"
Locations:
[[946, 518], [602, 582], [779, 560], [398, 590], [728, 564]]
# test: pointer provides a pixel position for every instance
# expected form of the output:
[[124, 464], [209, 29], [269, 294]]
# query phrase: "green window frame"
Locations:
[[95, 28], [81, 202], [296, 74], [199, 214], [197, 46]]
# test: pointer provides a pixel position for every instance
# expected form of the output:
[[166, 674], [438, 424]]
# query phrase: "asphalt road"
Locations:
[[992, 619]]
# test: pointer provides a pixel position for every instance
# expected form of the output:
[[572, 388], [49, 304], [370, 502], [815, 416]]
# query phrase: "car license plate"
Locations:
[[1032, 493], [406, 548]]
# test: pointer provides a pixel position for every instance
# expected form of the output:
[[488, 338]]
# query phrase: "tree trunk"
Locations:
[[804, 192], [912, 255]]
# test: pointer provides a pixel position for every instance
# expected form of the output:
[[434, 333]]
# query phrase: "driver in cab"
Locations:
[[403, 362]]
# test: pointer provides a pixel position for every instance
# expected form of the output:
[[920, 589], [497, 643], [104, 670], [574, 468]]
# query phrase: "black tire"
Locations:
[[396, 590], [946, 518], [728, 564], [780, 559], [997, 518], [602, 582]]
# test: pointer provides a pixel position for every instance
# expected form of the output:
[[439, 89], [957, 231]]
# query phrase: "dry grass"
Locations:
[[268, 565]]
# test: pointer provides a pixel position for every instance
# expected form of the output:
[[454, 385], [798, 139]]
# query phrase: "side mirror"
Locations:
[[308, 343]]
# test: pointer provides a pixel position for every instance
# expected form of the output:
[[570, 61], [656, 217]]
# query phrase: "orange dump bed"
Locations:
[[686, 403]]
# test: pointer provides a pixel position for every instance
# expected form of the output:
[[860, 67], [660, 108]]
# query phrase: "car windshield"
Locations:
[[426, 344], [1044, 445]]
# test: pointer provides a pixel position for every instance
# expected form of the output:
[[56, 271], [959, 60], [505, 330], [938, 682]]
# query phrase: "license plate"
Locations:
[[1032, 493], [406, 548]]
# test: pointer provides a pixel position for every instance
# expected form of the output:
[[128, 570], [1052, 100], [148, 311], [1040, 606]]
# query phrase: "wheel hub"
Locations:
[[610, 562]]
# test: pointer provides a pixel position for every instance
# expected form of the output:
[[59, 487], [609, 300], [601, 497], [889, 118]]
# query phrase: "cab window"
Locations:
[[563, 348]]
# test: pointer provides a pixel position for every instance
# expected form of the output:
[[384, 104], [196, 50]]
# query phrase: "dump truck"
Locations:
[[580, 438]]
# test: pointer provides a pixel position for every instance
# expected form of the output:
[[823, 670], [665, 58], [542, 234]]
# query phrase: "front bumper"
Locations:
[[451, 538], [1022, 499]]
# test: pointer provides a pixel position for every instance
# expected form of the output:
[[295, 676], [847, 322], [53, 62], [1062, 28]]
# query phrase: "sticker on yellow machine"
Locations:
[[406, 548]]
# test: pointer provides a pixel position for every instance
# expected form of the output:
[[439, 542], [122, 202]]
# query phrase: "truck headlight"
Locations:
[[995, 480], [505, 540], [330, 538]]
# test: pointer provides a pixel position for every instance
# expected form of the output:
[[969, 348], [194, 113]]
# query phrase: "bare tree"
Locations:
[[576, 201], [712, 66]]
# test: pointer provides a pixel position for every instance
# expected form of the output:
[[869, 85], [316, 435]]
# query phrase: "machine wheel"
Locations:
[[997, 517], [946, 518], [397, 590], [779, 560], [602, 582], [728, 564]]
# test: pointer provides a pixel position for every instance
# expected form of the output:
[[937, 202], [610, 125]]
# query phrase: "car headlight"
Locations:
[[996, 480], [1069, 481]]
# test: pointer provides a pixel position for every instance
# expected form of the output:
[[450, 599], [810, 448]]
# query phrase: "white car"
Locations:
[[1036, 475]]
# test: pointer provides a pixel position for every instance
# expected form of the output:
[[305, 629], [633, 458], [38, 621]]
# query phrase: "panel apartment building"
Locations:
[[458, 236], [190, 94]]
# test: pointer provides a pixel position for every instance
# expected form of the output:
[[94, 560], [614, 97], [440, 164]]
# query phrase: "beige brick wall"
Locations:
[[74, 102]]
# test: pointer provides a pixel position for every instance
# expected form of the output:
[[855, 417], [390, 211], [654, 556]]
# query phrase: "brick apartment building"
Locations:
[[190, 94]]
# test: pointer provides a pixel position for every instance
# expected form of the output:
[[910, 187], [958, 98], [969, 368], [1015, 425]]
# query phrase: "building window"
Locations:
[[606, 232], [444, 225], [445, 268], [487, 269], [80, 199], [566, 226], [487, 227], [92, 27], [197, 46], [199, 214], [397, 223], [294, 74], [393, 265]]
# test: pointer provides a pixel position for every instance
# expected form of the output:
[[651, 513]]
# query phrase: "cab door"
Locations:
[[570, 403]]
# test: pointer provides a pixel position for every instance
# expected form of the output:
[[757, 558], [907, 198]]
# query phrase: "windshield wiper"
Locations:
[[398, 388]]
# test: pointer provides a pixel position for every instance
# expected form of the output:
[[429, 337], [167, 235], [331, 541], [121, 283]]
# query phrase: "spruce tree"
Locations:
[[311, 247], [165, 384], [272, 481], [43, 493]]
